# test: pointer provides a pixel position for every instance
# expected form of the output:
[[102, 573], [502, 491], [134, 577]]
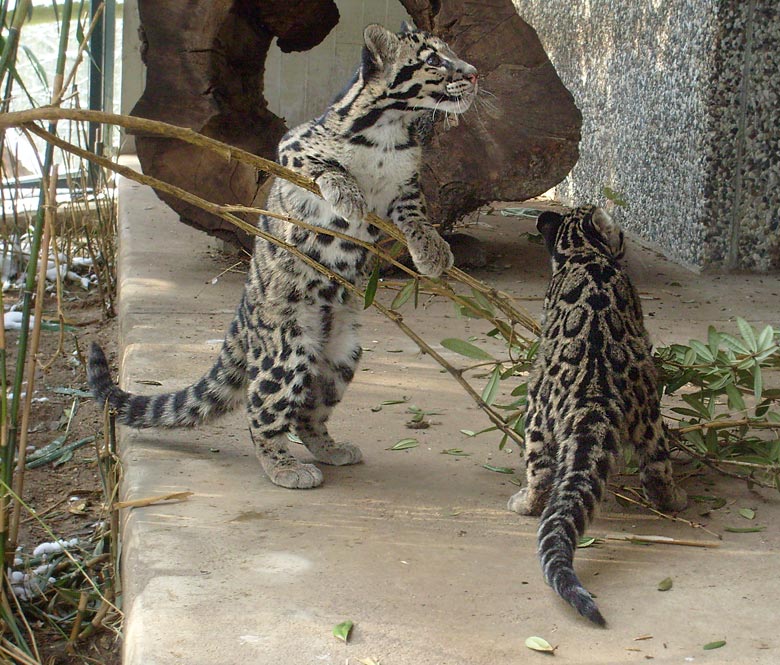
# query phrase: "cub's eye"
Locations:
[[434, 60]]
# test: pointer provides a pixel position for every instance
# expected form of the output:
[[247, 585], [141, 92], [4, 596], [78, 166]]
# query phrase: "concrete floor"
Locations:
[[415, 547]]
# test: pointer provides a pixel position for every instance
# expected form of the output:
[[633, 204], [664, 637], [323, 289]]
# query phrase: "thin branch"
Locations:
[[215, 209]]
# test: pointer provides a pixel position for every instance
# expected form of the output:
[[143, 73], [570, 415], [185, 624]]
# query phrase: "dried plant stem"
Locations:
[[79, 566], [501, 300], [728, 424], [80, 612], [659, 540], [640, 501], [129, 173]]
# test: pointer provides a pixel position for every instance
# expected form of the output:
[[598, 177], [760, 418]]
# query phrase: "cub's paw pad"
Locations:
[[295, 476], [519, 503], [337, 454]]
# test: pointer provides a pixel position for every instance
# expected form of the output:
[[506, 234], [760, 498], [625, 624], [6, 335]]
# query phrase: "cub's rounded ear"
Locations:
[[406, 28], [548, 224], [381, 46], [609, 231]]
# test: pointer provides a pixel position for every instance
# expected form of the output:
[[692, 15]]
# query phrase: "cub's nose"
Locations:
[[472, 78]]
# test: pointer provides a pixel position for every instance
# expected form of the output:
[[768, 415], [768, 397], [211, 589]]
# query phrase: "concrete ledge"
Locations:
[[415, 547]]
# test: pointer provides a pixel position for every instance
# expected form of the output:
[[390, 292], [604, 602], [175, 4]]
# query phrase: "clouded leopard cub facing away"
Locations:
[[594, 386], [292, 347]]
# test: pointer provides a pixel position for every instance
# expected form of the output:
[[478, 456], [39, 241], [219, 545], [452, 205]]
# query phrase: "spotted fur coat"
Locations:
[[293, 347]]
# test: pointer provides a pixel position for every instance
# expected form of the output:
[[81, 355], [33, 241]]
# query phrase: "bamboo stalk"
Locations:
[[32, 357], [13, 430], [80, 612]]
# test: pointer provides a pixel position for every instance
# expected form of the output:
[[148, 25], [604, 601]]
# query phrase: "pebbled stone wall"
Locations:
[[681, 115]]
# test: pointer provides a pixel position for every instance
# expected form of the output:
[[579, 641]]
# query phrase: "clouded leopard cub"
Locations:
[[292, 347], [594, 386]]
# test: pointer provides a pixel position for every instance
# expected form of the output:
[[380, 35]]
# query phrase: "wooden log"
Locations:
[[205, 65]]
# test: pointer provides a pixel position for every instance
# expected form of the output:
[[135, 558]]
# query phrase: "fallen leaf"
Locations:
[[498, 469], [747, 513], [745, 529], [539, 644], [714, 645], [665, 584], [342, 630], [405, 444]]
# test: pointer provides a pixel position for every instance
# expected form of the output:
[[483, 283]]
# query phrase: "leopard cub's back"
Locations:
[[594, 388]]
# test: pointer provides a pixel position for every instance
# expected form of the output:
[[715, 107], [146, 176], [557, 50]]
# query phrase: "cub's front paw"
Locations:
[[431, 254], [344, 195]]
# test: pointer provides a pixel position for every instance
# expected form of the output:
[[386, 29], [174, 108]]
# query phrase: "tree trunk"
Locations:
[[205, 66]]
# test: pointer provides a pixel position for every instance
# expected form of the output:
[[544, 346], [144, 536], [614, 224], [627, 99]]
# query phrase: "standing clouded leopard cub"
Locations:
[[594, 386], [292, 347]]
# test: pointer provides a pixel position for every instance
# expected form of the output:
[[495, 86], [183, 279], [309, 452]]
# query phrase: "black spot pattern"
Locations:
[[593, 387], [292, 348]]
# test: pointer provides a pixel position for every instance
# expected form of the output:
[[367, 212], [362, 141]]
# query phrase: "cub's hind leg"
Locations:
[[540, 458], [655, 465], [335, 371], [280, 377]]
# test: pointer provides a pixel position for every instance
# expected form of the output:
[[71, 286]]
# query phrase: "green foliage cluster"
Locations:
[[717, 406]]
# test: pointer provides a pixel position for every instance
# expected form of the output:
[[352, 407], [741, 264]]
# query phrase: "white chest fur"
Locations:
[[381, 169]]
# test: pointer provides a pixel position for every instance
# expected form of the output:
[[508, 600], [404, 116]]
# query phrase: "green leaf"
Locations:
[[766, 338], [465, 349], [342, 630], [388, 402], [539, 644], [733, 343], [758, 382], [403, 295], [665, 584], [484, 303], [373, 283], [491, 387], [586, 541], [735, 397], [746, 330], [405, 444], [744, 529], [702, 351], [713, 339], [747, 513], [614, 196], [457, 452], [468, 432], [40, 72], [498, 469], [714, 645]]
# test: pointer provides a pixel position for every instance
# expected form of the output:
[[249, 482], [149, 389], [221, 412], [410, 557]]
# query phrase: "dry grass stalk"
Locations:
[[151, 500]]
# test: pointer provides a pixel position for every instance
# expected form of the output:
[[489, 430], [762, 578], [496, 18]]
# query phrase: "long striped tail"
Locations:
[[216, 393], [585, 461]]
